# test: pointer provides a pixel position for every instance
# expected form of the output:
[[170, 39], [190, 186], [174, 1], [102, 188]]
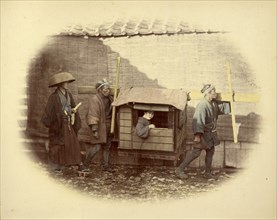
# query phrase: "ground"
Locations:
[[139, 183]]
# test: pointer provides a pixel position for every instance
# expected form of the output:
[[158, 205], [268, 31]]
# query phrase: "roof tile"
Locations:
[[134, 27]]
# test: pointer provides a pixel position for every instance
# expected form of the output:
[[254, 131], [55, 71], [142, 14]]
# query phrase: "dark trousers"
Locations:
[[54, 156], [194, 153], [92, 151]]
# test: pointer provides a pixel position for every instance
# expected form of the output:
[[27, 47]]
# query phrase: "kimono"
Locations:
[[99, 116], [205, 120], [142, 128], [63, 142]]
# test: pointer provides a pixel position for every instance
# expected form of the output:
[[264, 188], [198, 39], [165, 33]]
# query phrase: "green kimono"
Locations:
[[205, 119], [142, 128]]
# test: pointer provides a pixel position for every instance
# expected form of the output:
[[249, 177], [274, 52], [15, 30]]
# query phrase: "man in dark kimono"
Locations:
[[64, 148], [99, 122], [143, 126], [204, 129]]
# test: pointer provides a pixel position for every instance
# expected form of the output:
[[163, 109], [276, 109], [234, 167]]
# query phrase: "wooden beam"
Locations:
[[152, 146], [91, 90], [231, 97], [115, 94], [238, 97], [193, 95], [86, 90], [154, 107]]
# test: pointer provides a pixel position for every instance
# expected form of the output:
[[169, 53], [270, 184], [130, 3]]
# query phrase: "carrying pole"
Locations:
[[231, 98], [115, 94]]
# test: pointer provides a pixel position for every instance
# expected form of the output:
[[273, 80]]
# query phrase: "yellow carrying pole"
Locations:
[[232, 103], [115, 94]]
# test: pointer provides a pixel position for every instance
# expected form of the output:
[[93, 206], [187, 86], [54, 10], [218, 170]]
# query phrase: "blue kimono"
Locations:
[[142, 128], [205, 119]]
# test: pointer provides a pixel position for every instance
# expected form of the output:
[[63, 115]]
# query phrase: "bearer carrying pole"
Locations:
[[115, 94], [231, 98]]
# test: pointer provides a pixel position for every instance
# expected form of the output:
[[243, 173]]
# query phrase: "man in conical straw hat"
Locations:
[[64, 148]]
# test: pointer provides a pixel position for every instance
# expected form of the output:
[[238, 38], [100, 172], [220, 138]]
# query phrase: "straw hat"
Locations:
[[60, 78]]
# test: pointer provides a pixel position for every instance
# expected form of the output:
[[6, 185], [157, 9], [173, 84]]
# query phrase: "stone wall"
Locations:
[[176, 61]]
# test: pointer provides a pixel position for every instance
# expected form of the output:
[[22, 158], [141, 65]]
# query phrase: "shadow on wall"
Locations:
[[89, 60]]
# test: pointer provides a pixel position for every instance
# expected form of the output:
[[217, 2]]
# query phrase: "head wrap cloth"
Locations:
[[207, 88], [101, 83]]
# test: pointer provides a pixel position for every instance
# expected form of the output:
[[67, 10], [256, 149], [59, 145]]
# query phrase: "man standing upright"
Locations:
[[204, 129], [64, 148], [99, 122]]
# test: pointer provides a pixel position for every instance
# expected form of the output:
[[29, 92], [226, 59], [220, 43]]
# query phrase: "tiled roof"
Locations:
[[130, 28]]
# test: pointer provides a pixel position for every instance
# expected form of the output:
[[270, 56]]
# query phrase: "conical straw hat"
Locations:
[[60, 78]]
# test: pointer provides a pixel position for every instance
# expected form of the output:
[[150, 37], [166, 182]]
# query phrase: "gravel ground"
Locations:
[[139, 183]]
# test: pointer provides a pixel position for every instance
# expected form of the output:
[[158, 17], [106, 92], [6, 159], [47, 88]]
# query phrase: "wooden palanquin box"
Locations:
[[169, 108]]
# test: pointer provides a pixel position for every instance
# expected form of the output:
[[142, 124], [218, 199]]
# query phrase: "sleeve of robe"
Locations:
[[93, 114], [199, 118], [77, 124], [142, 128]]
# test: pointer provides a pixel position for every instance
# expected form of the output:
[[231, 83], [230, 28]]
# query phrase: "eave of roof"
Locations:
[[130, 28], [172, 97]]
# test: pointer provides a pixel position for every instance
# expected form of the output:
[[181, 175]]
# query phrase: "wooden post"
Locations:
[[115, 94], [235, 133]]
